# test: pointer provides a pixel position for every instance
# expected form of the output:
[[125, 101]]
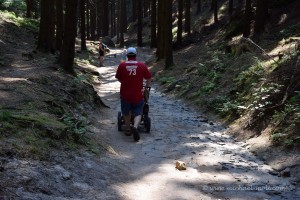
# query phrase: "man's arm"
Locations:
[[147, 76], [118, 73], [148, 82], [118, 77]]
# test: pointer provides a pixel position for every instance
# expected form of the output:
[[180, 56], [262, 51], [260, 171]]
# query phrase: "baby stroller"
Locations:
[[145, 121]]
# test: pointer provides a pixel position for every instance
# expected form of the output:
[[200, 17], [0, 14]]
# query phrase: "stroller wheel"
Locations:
[[147, 124], [119, 121]]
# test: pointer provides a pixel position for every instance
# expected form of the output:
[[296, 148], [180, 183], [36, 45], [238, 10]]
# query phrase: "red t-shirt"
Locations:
[[131, 75]]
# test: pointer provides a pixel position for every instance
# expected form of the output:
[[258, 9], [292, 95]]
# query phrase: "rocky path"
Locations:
[[217, 166]]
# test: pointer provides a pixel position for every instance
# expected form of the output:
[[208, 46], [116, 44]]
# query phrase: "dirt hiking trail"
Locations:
[[218, 167]]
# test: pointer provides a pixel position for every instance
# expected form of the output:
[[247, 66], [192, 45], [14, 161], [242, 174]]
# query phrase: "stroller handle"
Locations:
[[146, 93], [147, 87]]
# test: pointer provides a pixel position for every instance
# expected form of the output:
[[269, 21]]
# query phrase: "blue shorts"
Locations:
[[136, 109]]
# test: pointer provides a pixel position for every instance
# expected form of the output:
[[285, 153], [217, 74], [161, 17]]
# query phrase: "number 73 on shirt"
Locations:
[[131, 70]]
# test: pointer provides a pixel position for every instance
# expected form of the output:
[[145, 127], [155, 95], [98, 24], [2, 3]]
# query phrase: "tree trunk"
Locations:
[[105, 25], [199, 5], [145, 8], [36, 9], [230, 9], [59, 23], [113, 19], [160, 30], [248, 10], [239, 5], [168, 35], [82, 25], [29, 8], [134, 10], [93, 17], [125, 21], [187, 27], [99, 18], [118, 21], [47, 28], [88, 19], [179, 24], [153, 24], [124, 16], [140, 24], [260, 17], [215, 5], [121, 22], [68, 50]]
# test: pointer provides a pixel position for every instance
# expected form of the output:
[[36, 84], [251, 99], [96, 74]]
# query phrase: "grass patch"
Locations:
[[166, 80], [35, 135], [5, 115], [40, 120]]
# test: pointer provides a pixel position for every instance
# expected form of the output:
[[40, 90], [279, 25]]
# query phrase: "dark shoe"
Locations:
[[135, 133], [127, 132]]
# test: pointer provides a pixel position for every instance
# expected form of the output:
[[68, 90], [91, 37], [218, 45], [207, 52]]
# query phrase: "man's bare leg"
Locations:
[[137, 121], [101, 61]]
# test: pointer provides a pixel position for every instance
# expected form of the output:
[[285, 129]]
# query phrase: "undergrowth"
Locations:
[[56, 119], [30, 24], [267, 92]]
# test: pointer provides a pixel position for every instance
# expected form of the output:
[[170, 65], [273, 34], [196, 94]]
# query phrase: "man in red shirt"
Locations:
[[131, 75]]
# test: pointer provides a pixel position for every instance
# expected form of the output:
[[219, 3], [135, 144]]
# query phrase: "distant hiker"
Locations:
[[123, 55], [101, 52], [131, 75]]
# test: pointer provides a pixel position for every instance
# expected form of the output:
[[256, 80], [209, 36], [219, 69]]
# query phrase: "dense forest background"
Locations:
[[236, 59]]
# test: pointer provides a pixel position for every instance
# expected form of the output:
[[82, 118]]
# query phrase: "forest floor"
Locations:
[[217, 165]]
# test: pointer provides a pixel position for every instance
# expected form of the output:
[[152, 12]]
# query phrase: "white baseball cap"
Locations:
[[131, 51]]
